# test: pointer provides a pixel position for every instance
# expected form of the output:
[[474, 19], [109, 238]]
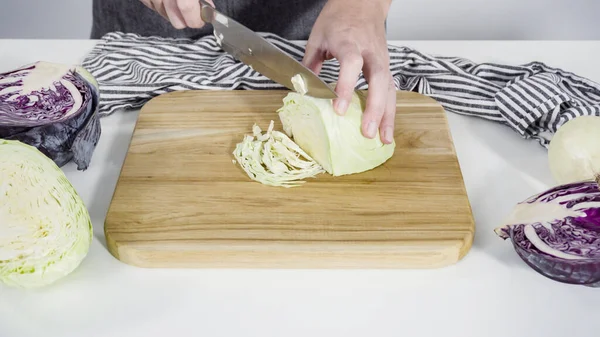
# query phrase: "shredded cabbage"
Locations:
[[274, 159]]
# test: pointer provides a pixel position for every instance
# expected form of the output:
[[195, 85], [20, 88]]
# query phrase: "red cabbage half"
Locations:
[[557, 233], [52, 107]]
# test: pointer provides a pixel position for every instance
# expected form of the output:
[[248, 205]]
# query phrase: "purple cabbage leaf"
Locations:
[[557, 233], [53, 107]]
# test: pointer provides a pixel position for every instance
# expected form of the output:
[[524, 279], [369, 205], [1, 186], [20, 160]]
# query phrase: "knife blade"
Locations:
[[264, 57]]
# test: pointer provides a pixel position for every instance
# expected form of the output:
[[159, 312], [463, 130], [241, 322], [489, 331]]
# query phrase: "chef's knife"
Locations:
[[253, 50]]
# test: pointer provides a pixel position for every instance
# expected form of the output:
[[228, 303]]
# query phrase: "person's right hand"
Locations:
[[181, 13]]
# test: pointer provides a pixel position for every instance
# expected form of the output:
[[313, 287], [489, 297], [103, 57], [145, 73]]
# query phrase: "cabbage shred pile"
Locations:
[[272, 158]]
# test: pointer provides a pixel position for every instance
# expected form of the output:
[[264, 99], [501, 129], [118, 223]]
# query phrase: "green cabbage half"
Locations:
[[323, 141], [335, 142], [45, 228]]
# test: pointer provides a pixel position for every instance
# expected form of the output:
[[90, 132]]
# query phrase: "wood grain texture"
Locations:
[[181, 202]]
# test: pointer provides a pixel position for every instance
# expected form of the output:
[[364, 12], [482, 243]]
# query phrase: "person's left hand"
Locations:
[[353, 32]]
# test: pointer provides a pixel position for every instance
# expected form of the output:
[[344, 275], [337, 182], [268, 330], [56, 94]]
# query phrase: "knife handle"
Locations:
[[207, 12]]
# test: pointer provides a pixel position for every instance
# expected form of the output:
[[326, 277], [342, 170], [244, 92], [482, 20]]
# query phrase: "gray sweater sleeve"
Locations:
[[290, 19]]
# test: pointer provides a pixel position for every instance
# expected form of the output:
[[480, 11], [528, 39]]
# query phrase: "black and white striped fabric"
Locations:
[[533, 99]]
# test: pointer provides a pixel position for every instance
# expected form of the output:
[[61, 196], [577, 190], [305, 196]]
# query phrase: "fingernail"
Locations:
[[341, 107], [371, 129], [388, 134]]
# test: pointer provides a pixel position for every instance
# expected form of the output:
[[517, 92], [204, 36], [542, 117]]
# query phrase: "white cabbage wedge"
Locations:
[[322, 142], [45, 228], [335, 142]]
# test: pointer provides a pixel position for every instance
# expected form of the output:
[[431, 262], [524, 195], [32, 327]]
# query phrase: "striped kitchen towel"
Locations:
[[534, 99]]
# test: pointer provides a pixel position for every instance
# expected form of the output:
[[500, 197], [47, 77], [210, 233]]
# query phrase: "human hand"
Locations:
[[353, 32], [181, 13]]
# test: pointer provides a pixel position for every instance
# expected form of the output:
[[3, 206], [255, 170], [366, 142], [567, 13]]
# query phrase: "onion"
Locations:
[[574, 151]]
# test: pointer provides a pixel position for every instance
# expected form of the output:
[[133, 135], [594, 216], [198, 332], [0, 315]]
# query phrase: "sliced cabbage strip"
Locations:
[[272, 158]]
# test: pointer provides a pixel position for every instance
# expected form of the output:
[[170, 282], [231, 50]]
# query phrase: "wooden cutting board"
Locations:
[[181, 202]]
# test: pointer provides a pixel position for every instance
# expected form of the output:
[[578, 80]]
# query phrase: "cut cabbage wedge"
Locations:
[[45, 228], [335, 142], [322, 142]]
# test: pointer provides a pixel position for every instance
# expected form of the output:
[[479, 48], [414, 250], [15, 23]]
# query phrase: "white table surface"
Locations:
[[489, 293]]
